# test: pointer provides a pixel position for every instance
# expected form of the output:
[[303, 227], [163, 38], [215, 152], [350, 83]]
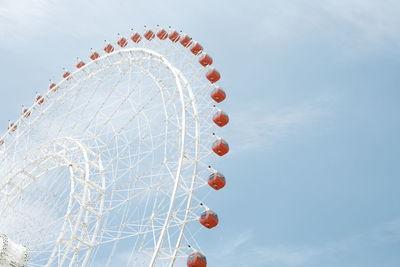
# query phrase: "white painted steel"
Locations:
[[104, 172]]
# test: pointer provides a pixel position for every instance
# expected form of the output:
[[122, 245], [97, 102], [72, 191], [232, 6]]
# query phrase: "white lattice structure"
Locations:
[[111, 164]]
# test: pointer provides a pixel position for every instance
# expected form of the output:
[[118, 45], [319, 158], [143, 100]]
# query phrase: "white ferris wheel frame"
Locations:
[[90, 158]]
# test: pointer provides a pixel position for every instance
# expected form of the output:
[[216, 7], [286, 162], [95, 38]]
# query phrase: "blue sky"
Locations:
[[313, 97]]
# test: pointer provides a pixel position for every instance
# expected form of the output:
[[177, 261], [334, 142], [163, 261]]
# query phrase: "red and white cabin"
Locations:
[[220, 147], [213, 76], [217, 180], [218, 95], [205, 60], [122, 42], [196, 259], [209, 219], [174, 36], [221, 118]]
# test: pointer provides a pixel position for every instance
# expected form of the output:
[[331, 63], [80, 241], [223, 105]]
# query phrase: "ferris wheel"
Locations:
[[112, 165]]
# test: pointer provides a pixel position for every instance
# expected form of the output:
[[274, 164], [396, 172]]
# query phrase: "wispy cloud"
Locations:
[[257, 125], [358, 22], [241, 251], [270, 21], [18, 19]]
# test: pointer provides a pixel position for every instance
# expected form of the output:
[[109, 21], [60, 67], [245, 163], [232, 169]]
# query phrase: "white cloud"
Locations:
[[241, 251], [19, 18], [256, 126], [269, 21], [354, 22]]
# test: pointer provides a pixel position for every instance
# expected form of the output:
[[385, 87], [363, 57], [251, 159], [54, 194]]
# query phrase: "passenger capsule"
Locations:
[[149, 35], [218, 95], [40, 99], [186, 41], [12, 127], [26, 113], [66, 75], [1, 142], [216, 180], [52, 87], [122, 42], [80, 64], [196, 259], [109, 48], [221, 118], [205, 60], [213, 76], [136, 38], [94, 56], [196, 49], [174, 36], [209, 219], [220, 147], [162, 34]]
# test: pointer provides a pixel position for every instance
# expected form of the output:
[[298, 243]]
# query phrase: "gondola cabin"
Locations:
[[80, 64], [162, 34], [216, 180], [94, 56], [66, 75], [136, 38], [186, 41], [26, 113], [122, 42], [218, 95], [196, 259], [220, 147], [205, 60], [149, 35], [221, 118], [52, 87], [174, 36], [12, 127], [109, 48], [196, 49], [209, 219], [213, 76], [40, 99]]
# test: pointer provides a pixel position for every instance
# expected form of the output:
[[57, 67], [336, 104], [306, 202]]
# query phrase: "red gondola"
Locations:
[[66, 74], [209, 219], [149, 35], [217, 180], [52, 87], [94, 56], [218, 95], [109, 48], [205, 60], [221, 118], [213, 75], [122, 42], [186, 41], [80, 64], [220, 147], [174, 36], [196, 49], [162, 34], [136, 38], [196, 259], [26, 113], [40, 99], [12, 127]]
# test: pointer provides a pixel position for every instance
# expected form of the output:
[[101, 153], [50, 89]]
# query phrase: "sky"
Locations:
[[313, 98]]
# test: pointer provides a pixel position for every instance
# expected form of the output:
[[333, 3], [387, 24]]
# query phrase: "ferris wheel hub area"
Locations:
[[12, 254]]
